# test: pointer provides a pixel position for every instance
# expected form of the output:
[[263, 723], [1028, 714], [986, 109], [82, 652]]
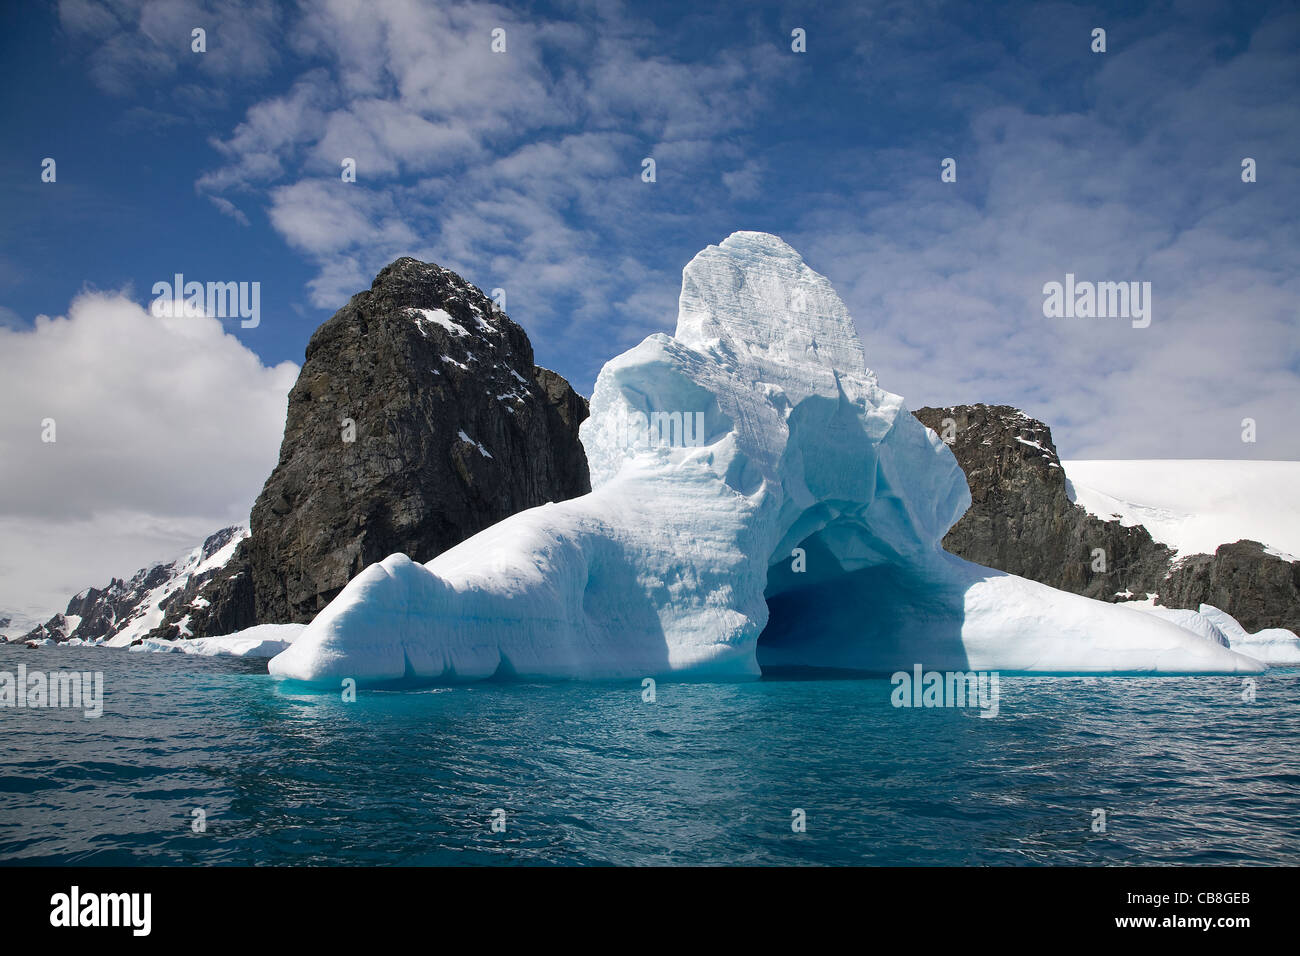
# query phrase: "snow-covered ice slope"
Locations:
[[668, 565], [147, 612], [1195, 505], [261, 640], [1272, 645], [1191, 620]]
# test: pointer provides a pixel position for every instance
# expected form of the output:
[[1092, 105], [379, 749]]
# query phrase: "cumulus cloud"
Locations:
[[164, 429]]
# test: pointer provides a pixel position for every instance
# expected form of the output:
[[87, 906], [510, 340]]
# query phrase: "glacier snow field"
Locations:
[[590, 773]]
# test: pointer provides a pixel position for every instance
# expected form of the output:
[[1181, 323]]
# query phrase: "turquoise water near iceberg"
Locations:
[[591, 774]]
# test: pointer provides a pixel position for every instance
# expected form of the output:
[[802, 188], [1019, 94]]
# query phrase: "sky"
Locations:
[[522, 170]]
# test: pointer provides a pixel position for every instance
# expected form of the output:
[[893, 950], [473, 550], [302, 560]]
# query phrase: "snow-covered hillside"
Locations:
[[128, 609], [1196, 505], [14, 624]]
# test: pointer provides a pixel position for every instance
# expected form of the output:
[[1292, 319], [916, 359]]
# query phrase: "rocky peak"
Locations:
[[997, 438], [418, 419], [214, 542]]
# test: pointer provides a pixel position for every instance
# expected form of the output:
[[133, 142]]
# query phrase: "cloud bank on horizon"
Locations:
[[522, 169], [123, 436]]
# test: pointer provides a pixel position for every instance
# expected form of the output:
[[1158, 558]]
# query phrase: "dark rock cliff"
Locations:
[[418, 419], [1021, 519], [1257, 588]]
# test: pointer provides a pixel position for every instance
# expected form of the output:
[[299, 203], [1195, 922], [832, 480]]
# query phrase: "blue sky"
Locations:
[[522, 171]]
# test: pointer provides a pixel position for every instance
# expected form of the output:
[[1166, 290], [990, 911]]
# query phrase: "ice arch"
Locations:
[[667, 567]]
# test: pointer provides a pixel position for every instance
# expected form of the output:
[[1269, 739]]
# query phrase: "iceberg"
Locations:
[[1272, 645], [259, 641], [758, 501], [1191, 620]]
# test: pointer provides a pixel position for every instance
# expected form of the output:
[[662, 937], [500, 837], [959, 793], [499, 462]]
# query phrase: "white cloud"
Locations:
[[227, 208], [945, 279], [521, 170], [745, 182], [130, 43], [165, 431]]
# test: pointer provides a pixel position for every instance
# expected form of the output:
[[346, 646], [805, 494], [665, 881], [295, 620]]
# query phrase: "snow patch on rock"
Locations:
[[440, 318]]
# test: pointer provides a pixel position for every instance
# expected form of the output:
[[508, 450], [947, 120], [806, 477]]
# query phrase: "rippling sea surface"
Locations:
[[709, 773]]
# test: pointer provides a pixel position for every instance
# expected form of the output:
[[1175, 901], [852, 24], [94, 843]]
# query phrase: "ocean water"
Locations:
[[709, 773]]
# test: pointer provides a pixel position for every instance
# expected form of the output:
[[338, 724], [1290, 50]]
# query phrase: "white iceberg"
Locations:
[[750, 461], [1191, 620], [1272, 645], [262, 640]]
